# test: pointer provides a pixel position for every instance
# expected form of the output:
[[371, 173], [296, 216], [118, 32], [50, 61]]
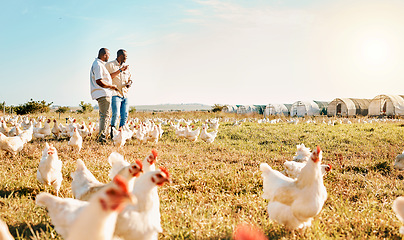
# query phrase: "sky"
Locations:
[[204, 51]]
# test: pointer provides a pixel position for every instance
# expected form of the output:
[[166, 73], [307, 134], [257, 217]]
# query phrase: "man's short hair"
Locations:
[[102, 51], [120, 52]]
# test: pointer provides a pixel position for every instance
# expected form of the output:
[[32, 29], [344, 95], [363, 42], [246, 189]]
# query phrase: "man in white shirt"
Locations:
[[123, 81], [102, 89]]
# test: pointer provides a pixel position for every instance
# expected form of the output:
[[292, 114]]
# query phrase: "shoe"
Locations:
[[112, 133], [102, 139]]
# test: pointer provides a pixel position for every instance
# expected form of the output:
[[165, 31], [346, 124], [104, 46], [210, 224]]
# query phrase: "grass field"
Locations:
[[218, 186]]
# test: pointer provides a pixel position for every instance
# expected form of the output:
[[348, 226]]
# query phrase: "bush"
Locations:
[[33, 107], [132, 109], [217, 108], [85, 107], [4, 107], [63, 109]]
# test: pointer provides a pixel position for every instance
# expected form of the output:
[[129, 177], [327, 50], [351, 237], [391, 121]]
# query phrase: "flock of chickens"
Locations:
[[21, 131], [128, 207]]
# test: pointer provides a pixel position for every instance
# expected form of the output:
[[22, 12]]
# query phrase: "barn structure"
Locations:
[[260, 108], [304, 108], [348, 107], [386, 105], [244, 109], [322, 106], [276, 109], [230, 109]]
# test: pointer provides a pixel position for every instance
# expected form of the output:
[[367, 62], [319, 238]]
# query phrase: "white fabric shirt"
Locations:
[[121, 79], [98, 71]]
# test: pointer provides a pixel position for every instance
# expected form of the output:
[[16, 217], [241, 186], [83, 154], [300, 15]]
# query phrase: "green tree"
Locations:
[[217, 108], [132, 109], [63, 109], [33, 107], [2, 106], [85, 107]]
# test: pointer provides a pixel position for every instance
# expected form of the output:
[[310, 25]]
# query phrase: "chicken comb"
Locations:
[[154, 152], [138, 162], [164, 170], [51, 150], [121, 183], [318, 149]]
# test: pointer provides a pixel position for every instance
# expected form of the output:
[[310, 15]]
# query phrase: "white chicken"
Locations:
[[154, 134], [140, 135], [4, 128], [73, 124], [97, 220], [149, 161], [206, 136], [293, 169], [75, 219], [142, 221], [56, 130], [117, 163], [114, 131], [294, 202], [120, 137], [16, 130], [76, 141], [38, 135], [4, 232], [45, 130], [192, 135], [83, 130], [12, 145], [214, 124], [50, 168], [180, 131], [302, 154], [26, 135], [398, 208], [83, 180], [85, 187], [399, 161], [160, 128]]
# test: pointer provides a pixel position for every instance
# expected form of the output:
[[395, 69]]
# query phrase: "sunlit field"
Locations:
[[219, 185]]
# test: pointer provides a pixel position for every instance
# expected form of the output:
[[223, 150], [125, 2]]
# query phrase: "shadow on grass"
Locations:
[[28, 231], [19, 192]]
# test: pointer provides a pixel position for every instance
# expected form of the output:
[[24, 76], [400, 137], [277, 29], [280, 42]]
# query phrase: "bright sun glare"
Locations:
[[375, 51]]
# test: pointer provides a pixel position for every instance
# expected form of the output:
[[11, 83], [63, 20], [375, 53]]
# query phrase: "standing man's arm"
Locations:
[[103, 85], [114, 74]]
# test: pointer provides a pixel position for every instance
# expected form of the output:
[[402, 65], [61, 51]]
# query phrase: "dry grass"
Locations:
[[217, 186]]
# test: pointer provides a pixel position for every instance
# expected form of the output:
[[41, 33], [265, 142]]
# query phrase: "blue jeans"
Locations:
[[119, 107]]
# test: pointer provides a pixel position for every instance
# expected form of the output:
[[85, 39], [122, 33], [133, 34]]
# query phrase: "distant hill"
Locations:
[[173, 107]]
